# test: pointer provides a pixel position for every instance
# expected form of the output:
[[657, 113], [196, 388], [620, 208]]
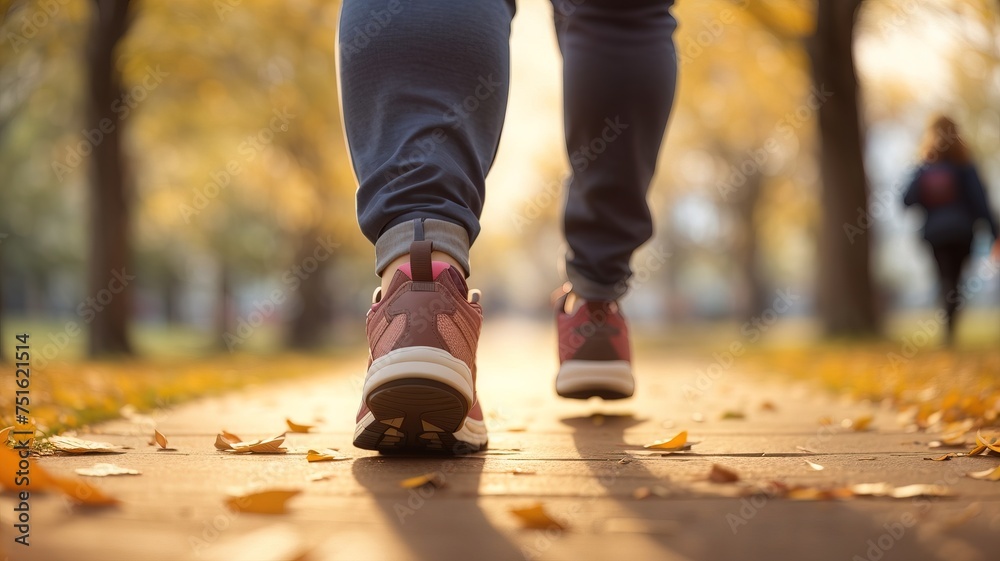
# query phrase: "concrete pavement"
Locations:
[[584, 461]]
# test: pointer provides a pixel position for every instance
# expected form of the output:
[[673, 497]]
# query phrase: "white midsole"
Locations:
[[587, 375], [425, 363]]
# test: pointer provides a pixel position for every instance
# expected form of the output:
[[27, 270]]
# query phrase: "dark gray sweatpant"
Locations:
[[424, 90]]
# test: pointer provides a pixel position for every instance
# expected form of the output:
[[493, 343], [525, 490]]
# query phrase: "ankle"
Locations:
[[395, 264]]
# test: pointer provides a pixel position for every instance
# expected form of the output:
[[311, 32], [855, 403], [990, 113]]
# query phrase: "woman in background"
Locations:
[[948, 188]]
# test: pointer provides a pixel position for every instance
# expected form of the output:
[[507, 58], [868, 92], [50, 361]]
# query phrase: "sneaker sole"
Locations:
[[416, 415], [418, 400], [583, 379]]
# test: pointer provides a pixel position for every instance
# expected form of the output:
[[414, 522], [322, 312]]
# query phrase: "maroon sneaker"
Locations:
[[594, 356], [420, 390]]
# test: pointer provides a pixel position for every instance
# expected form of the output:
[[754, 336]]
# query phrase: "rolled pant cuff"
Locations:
[[447, 237], [590, 290]]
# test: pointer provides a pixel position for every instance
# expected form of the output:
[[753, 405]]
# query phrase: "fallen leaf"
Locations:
[[871, 489], [73, 445], [733, 416], [676, 442], [83, 493], [264, 446], [262, 502], [858, 424], [721, 474], [104, 470], [159, 438], [815, 466], [325, 455], [920, 490], [992, 474], [434, 479], [296, 427], [535, 517], [943, 458], [990, 442], [225, 440]]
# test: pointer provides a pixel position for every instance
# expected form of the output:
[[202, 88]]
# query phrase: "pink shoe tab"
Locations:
[[437, 267]]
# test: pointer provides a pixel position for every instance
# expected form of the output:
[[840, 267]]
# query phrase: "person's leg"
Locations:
[[424, 89], [619, 74], [950, 260]]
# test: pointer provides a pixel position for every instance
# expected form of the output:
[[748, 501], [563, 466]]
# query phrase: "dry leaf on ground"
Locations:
[[535, 517], [677, 442], [434, 479], [161, 441], [943, 458], [104, 470], [992, 474], [297, 427], [272, 501], [325, 455], [858, 424], [264, 446], [225, 440], [989, 442], [920, 490], [815, 466], [720, 474], [73, 445]]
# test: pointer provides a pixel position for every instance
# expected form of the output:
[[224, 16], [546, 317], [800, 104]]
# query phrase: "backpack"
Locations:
[[939, 187]]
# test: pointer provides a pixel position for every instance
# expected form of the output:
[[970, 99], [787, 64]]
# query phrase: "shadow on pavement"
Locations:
[[432, 525]]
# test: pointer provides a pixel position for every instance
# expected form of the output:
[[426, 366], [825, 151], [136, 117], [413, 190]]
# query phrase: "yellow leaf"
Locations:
[[977, 450], [296, 427], [434, 479], [816, 467], [987, 442], [73, 445], [859, 424], [264, 446], [225, 440], [943, 458], [535, 517], [674, 443], [104, 470], [992, 474], [161, 440], [720, 474], [83, 493], [325, 455], [920, 490], [262, 502]]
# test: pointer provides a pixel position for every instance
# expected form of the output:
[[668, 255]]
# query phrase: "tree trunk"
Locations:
[[308, 326], [109, 284], [747, 254], [226, 336], [846, 300]]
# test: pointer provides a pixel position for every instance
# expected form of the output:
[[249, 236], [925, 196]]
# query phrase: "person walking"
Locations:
[[947, 186], [424, 89]]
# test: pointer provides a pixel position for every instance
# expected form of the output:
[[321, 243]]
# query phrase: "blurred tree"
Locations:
[[110, 190], [846, 298]]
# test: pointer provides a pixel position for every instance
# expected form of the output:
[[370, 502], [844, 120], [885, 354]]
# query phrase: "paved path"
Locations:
[[583, 460]]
